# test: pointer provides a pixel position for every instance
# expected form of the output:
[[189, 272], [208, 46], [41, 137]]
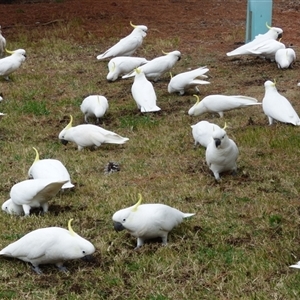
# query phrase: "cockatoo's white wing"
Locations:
[[144, 94], [267, 48], [127, 45], [285, 58], [202, 132]]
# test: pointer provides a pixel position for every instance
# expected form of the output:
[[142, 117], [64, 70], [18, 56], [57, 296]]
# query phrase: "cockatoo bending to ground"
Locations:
[[94, 106], [260, 42], [51, 245], [183, 81], [122, 65], [221, 153], [156, 67], [285, 58], [49, 169], [88, 135], [10, 64], [202, 132], [31, 193], [277, 107], [143, 93], [219, 104], [127, 45], [2, 44], [148, 221]]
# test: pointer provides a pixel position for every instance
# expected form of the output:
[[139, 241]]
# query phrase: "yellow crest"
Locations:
[[138, 203]]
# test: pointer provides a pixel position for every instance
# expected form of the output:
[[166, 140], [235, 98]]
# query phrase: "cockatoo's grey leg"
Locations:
[[62, 268], [26, 209], [197, 90], [45, 207], [37, 270], [217, 176], [270, 120], [221, 114], [140, 243], [80, 148], [164, 239], [86, 119]]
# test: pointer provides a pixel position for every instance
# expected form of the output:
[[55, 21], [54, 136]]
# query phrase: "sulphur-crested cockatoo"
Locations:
[[202, 132], [148, 221], [88, 135], [143, 93], [127, 45], [50, 245], [221, 153], [183, 81], [2, 44], [31, 193], [49, 169], [277, 107], [220, 103], [285, 58], [156, 67], [274, 33], [94, 106], [10, 64], [122, 65]]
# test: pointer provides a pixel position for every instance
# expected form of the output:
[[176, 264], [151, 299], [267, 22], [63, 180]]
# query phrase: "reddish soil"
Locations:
[[196, 22]]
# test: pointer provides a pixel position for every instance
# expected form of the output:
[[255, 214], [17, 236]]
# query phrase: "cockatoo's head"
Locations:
[[18, 52], [197, 109], [121, 217], [175, 53], [140, 28], [275, 32], [219, 135], [269, 85], [11, 208], [62, 134]]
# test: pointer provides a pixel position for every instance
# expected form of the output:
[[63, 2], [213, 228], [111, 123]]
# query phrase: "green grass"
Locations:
[[245, 232]]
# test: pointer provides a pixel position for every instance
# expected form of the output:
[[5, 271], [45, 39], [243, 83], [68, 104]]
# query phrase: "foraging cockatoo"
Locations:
[[260, 40], [88, 135], [219, 104], [285, 58], [143, 93], [148, 221], [31, 193], [11, 63], [121, 65], [277, 107], [49, 169], [94, 106], [50, 245], [181, 82], [221, 153], [127, 45], [202, 132], [156, 67], [2, 44]]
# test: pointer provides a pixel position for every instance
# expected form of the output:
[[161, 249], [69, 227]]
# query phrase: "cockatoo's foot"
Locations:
[[37, 270], [63, 269]]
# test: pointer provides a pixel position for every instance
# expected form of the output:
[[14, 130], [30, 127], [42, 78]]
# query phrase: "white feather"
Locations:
[[156, 67], [127, 45], [221, 153], [10, 64], [285, 58], [183, 81], [202, 132], [94, 106], [51, 245], [2, 44], [31, 193], [296, 266], [220, 103], [143, 93], [121, 65], [277, 107]]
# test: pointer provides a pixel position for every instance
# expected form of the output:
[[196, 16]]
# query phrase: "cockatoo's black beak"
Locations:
[[279, 35], [118, 226], [217, 142], [64, 142]]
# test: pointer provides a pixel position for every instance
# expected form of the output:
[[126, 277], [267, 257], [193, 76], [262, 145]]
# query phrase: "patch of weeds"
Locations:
[[34, 107], [133, 122], [8, 294], [275, 220]]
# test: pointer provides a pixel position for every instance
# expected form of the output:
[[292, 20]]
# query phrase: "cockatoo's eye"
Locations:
[[83, 252], [124, 220]]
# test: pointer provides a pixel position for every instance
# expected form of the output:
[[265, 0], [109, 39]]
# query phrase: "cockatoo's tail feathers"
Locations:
[[187, 215], [138, 203], [37, 157], [70, 228], [152, 109]]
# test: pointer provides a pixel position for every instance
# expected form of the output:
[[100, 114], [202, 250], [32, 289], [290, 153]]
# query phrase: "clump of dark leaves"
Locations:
[[111, 167]]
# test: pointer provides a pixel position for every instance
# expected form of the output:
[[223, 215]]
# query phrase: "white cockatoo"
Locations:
[[122, 65], [285, 58], [49, 169], [296, 266], [11, 63], [148, 221], [143, 93], [31, 193], [156, 67], [94, 106], [127, 45], [273, 33], [183, 81], [221, 153], [50, 245], [220, 103], [2, 44], [88, 135], [202, 132], [277, 107]]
